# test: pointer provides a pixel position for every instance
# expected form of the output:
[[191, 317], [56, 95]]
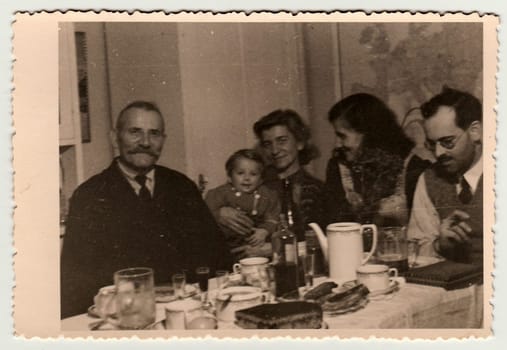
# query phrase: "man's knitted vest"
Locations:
[[445, 199]]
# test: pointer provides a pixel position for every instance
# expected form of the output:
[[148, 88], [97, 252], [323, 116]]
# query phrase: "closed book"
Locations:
[[446, 274]]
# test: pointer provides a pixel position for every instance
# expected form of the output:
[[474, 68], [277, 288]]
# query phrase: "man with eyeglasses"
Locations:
[[136, 213], [447, 209]]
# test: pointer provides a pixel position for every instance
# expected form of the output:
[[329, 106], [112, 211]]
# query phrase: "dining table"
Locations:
[[411, 306]]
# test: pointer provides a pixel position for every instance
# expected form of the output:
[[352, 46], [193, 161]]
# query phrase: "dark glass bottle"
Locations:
[[285, 259], [296, 225]]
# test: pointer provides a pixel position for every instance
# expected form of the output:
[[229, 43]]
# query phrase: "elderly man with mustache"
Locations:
[[136, 213], [447, 210]]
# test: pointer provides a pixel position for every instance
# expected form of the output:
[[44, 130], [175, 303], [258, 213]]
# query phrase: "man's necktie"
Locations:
[[465, 195], [144, 193]]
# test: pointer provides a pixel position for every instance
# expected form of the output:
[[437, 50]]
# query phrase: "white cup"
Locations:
[[249, 269], [181, 312], [376, 277]]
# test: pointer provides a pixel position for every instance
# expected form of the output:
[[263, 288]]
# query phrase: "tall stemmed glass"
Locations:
[[413, 246], [308, 261], [202, 274], [222, 277]]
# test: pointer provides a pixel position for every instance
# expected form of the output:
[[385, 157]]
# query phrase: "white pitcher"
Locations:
[[343, 248]]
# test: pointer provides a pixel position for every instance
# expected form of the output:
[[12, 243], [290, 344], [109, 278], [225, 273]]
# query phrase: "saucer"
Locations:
[[394, 285]]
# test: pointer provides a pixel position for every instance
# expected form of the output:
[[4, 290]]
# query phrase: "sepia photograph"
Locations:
[[254, 176]]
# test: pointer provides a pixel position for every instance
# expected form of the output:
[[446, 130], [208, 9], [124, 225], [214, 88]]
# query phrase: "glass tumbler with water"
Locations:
[[135, 297]]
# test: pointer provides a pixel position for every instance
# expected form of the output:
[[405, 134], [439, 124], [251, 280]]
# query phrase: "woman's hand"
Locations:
[[235, 220], [355, 200], [394, 207], [258, 237]]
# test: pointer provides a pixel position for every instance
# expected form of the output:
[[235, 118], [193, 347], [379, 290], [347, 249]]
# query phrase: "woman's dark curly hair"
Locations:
[[295, 125], [371, 117]]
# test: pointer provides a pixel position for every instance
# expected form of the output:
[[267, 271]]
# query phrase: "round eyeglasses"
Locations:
[[448, 142]]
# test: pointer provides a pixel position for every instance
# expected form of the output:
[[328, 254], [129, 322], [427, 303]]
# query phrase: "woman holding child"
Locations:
[[284, 141], [245, 193]]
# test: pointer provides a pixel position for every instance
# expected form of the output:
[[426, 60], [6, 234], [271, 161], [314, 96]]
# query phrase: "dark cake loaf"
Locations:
[[290, 315], [321, 290]]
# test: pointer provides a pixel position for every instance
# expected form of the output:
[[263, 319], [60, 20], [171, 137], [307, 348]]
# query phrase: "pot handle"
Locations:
[[236, 268], [374, 244]]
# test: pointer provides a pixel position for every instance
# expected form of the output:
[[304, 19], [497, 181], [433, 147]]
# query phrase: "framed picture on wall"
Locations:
[[82, 71]]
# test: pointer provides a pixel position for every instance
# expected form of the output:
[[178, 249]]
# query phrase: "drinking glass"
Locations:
[[202, 274], [272, 283], [392, 247], [413, 251], [179, 284], [308, 261], [135, 297], [263, 277], [222, 277]]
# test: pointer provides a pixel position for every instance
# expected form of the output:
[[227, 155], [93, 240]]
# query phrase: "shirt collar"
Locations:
[[474, 174], [131, 178]]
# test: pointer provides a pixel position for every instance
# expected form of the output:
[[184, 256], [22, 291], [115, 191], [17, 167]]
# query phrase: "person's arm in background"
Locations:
[[424, 221], [394, 207]]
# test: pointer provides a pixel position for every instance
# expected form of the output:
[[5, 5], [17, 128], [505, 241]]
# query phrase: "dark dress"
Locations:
[[375, 176], [305, 191], [109, 229]]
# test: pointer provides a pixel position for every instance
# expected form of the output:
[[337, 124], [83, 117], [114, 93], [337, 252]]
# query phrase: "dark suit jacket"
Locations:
[[109, 229]]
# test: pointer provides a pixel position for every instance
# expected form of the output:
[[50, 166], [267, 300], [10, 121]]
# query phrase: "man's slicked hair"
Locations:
[[468, 108]]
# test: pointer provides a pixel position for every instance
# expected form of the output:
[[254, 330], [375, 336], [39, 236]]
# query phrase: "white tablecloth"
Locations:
[[417, 306], [413, 306]]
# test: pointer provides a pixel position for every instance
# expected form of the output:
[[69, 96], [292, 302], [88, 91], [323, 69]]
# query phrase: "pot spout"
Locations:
[[322, 239]]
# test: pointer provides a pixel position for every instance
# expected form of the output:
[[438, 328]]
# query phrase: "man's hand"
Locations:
[[454, 229], [235, 220], [258, 237]]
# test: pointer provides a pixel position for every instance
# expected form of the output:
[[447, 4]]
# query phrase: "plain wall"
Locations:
[[231, 75], [143, 64], [324, 88]]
